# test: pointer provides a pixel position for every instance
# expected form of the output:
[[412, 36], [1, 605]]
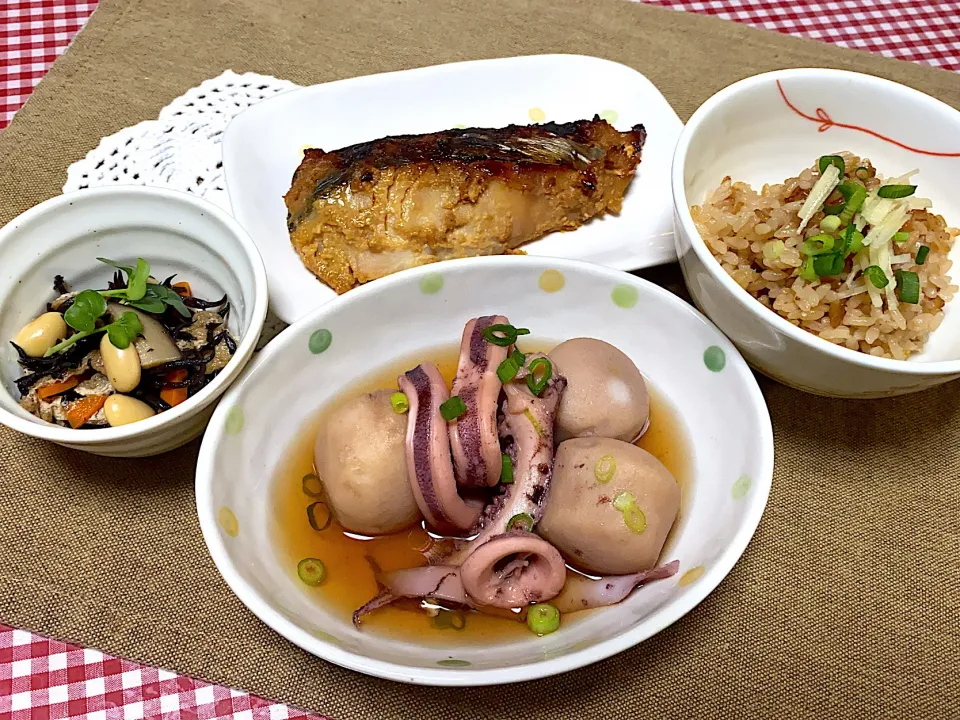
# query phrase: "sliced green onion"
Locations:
[[818, 244], [806, 271], [449, 619], [624, 500], [828, 160], [399, 403], [896, 191], [453, 408], [543, 618], [503, 335], [854, 194], [831, 210], [900, 237], [922, 253], [853, 241], [311, 571], [535, 384], [828, 265], [876, 277], [634, 519], [908, 285], [862, 173], [508, 370], [312, 485], [506, 469], [520, 521], [318, 515], [830, 224], [605, 469]]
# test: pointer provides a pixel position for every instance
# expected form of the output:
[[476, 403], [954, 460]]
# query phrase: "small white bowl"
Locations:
[[176, 233], [766, 129], [684, 357]]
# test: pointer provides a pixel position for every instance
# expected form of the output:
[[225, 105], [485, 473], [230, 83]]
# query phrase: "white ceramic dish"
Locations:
[[176, 233], [687, 359], [769, 127], [264, 145]]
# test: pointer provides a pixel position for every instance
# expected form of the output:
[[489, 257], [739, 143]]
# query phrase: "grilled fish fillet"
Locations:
[[372, 209]]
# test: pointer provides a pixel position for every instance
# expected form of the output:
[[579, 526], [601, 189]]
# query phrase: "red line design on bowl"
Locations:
[[826, 122]]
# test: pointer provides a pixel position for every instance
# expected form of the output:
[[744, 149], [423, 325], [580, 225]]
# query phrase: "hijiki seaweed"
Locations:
[[182, 342]]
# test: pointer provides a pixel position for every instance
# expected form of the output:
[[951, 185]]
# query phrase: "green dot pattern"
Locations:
[[431, 284], [625, 296], [714, 358], [234, 423], [452, 662], [320, 341], [740, 488]]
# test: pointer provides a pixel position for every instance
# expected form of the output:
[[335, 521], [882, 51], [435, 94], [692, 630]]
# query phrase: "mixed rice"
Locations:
[[865, 266]]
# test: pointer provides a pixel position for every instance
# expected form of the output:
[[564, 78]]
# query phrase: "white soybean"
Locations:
[[38, 336], [122, 366], [123, 410]]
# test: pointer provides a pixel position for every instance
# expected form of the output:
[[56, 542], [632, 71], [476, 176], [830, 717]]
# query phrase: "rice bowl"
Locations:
[[760, 241]]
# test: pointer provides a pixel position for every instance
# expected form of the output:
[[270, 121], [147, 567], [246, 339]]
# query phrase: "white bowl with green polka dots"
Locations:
[[692, 365]]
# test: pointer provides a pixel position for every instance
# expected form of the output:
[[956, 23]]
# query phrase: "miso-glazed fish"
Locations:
[[372, 209]]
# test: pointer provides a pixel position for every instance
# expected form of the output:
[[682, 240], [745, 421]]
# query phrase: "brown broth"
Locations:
[[350, 582]]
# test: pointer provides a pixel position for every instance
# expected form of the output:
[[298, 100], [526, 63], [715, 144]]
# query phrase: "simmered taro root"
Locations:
[[611, 506], [606, 395], [360, 457]]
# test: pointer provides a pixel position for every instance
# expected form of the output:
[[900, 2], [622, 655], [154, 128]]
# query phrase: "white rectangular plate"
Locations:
[[264, 145]]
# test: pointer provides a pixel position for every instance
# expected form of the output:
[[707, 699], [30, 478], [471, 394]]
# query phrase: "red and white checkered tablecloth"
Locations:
[[33, 33], [43, 678]]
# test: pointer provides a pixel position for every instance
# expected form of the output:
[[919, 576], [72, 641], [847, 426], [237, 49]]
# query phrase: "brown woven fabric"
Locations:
[[845, 605]]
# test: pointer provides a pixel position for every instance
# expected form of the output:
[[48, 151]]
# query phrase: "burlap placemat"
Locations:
[[844, 605]]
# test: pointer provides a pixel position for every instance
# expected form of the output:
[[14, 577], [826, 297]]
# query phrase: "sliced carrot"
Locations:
[[182, 289], [48, 391], [174, 396], [79, 411]]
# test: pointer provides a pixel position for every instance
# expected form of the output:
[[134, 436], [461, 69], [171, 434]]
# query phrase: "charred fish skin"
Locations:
[[372, 209]]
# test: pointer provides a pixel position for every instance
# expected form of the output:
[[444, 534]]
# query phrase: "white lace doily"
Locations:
[[181, 148]]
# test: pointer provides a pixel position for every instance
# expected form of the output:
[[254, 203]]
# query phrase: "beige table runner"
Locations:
[[845, 605]]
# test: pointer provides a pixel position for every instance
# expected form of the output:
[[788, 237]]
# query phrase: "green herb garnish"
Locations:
[[144, 295], [506, 469], [543, 618], [520, 521], [818, 244], [828, 160], [90, 305], [503, 334], [854, 194], [453, 408], [893, 192], [876, 276], [908, 284], [537, 382], [399, 403]]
